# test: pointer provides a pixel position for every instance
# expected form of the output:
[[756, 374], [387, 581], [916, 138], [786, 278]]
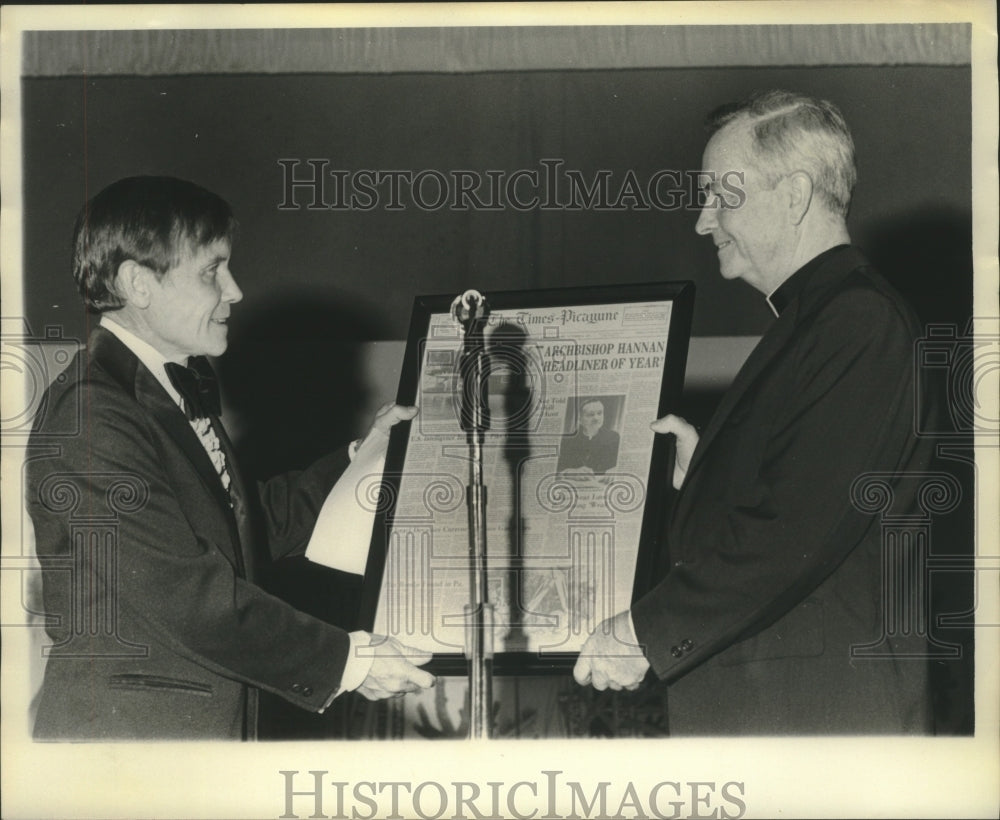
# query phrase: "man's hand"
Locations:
[[387, 416], [611, 658], [687, 440], [394, 671], [390, 414]]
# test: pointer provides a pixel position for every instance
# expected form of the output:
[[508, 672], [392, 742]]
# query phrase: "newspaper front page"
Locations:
[[572, 392]]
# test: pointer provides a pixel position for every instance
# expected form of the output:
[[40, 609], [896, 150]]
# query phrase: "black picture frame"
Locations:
[[676, 336]]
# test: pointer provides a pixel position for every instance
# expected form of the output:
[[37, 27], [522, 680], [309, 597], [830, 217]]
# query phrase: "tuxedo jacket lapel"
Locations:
[[155, 399], [136, 380]]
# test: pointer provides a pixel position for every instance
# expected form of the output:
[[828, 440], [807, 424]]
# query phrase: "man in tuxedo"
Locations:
[[774, 574], [593, 450], [158, 628]]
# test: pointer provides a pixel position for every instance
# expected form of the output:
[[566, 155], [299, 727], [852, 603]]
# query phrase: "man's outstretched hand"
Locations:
[[390, 414], [612, 658], [387, 416], [687, 440], [395, 670]]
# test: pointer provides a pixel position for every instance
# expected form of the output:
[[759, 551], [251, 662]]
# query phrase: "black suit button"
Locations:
[[676, 651], [307, 690], [687, 644], [296, 687]]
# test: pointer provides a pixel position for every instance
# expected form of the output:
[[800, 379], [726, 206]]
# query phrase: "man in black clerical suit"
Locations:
[[593, 449], [774, 574], [159, 630]]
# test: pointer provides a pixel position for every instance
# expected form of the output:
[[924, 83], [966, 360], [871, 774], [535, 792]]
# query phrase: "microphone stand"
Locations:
[[470, 310]]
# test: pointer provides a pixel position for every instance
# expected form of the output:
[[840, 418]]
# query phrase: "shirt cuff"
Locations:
[[632, 636], [357, 667]]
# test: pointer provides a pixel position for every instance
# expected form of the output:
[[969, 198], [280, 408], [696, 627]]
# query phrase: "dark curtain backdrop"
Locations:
[[317, 282], [912, 210]]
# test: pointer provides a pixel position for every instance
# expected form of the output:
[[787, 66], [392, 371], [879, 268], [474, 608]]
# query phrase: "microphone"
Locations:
[[470, 310], [468, 307]]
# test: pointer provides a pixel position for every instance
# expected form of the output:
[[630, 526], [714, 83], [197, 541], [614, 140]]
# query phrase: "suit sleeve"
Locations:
[[173, 581], [291, 503], [783, 520]]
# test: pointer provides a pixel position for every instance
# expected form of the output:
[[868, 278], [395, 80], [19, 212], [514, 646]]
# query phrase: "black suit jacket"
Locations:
[[774, 574], [148, 571]]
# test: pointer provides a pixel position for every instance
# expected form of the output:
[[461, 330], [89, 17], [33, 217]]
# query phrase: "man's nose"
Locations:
[[231, 292], [706, 219]]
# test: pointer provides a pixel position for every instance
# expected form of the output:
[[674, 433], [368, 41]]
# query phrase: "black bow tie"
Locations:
[[197, 385]]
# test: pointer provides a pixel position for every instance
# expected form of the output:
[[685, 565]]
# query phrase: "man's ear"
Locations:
[[132, 283], [800, 191]]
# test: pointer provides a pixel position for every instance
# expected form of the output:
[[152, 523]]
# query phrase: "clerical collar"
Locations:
[[781, 297]]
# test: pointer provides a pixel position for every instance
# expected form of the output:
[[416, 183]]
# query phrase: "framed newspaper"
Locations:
[[576, 481]]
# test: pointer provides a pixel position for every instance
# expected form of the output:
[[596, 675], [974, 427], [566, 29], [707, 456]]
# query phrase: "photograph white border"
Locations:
[[801, 777]]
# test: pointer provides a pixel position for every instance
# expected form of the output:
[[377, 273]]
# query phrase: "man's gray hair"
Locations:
[[794, 132]]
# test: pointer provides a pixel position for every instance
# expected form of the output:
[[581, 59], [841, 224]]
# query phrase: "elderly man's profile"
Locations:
[[774, 575]]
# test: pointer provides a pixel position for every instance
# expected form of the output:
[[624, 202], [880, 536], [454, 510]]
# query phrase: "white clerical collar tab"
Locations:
[[770, 304]]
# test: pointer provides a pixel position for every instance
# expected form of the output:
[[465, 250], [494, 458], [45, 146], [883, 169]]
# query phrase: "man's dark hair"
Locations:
[[151, 220], [793, 132]]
